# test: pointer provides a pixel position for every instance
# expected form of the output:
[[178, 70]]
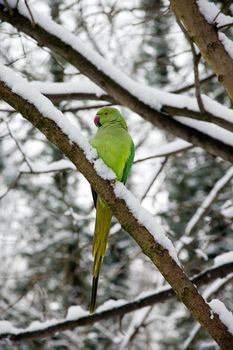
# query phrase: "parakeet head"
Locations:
[[106, 115]]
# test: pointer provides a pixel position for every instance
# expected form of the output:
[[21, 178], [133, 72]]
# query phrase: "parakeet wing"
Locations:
[[128, 164]]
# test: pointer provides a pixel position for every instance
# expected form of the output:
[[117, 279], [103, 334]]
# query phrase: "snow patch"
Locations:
[[224, 314], [62, 164], [110, 304], [7, 327], [103, 170], [223, 259], [37, 325], [227, 212], [75, 311], [227, 43], [72, 87], [146, 219], [212, 13], [212, 130]]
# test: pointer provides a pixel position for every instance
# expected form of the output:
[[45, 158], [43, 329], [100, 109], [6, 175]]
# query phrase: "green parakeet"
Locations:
[[115, 147]]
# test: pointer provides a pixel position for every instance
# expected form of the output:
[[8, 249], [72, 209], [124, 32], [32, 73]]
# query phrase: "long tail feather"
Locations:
[[93, 294], [102, 225]]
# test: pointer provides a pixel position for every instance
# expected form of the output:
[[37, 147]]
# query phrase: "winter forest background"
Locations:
[[46, 210]]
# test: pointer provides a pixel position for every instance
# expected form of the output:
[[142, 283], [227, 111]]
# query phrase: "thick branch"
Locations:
[[117, 91], [160, 256], [168, 109], [207, 40], [158, 297], [203, 116]]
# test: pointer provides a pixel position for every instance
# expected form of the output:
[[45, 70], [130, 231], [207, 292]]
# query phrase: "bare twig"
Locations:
[[30, 12], [202, 210], [134, 327], [196, 60], [190, 86], [11, 186], [8, 7], [19, 147], [217, 188], [157, 173], [165, 153], [228, 25]]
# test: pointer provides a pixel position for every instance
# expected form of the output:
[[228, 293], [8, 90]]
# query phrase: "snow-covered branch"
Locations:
[[37, 168], [139, 223], [214, 288], [88, 91], [58, 92], [151, 104], [214, 47], [79, 318]]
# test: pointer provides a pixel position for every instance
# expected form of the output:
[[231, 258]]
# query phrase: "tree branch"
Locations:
[[206, 38], [155, 298], [152, 244], [115, 89], [168, 109]]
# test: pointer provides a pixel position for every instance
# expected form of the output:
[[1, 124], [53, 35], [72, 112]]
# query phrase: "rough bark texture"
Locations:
[[117, 92], [160, 257], [205, 36]]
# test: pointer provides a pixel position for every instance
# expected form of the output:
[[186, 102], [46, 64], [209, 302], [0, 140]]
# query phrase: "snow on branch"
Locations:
[[74, 90], [202, 29], [213, 14], [178, 105], [72, 87], [150, 96], [41, 168], [151, 104], [224, 258], [43, 115], [77, 317], [215, 113], [216, 286], [225, 315]]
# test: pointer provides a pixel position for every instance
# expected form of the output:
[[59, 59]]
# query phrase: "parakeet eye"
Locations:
[[106, 113]]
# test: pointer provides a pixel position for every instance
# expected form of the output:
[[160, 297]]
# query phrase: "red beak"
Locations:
[[97, 120]]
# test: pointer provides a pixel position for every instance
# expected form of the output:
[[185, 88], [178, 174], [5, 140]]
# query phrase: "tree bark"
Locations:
[[205, 36], [117, 92], [160, 257]]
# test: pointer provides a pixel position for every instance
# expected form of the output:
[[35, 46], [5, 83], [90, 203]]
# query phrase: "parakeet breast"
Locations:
[[113, 144]]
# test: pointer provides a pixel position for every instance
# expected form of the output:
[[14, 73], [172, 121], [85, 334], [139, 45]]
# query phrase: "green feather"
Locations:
[[128, 164], [115, 147]]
